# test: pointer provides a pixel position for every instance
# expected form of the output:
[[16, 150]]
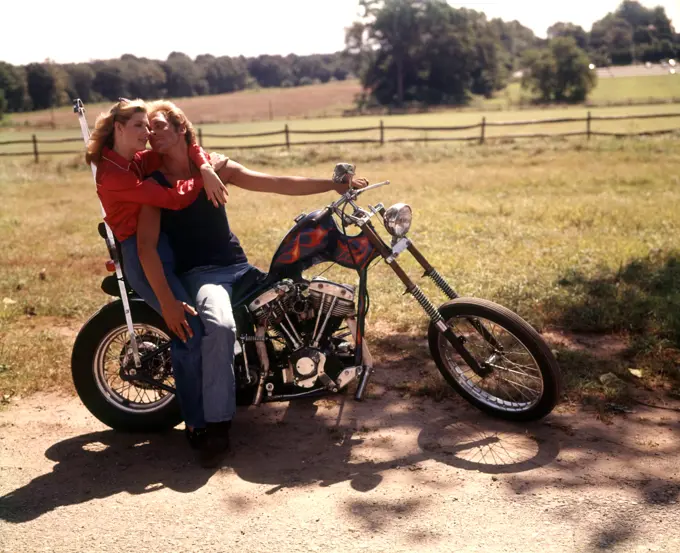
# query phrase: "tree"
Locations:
[[425, 51], [80, 79], [270, 71], [109, 81], [143, 78], [514, 39], [3, 103], [42, 86], [395, 30], [560, 72], [632, 33], [15, 88], [223, 74], [569, 29], [183, 77]]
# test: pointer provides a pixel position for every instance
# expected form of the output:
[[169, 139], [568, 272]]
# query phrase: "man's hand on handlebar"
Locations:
[[344, 178]]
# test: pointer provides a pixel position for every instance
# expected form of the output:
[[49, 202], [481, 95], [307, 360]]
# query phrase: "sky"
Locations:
[[104, 30]]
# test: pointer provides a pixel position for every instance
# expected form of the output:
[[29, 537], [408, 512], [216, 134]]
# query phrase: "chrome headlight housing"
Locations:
[[398, 219]]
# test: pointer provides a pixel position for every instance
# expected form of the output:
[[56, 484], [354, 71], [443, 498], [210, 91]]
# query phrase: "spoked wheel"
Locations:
[[113, 354], [522, 380], [100, 359]]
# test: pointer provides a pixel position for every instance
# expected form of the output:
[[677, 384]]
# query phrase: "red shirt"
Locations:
[[123, 192]]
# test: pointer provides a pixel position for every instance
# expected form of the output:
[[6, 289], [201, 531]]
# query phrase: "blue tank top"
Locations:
[[199, 234]]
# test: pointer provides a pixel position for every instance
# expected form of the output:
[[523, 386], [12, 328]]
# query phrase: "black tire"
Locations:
[[99, 399], [464, 309]]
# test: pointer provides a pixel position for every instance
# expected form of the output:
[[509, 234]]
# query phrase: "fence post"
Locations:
[[588, 126], [200, 137], [382, 132], [35, 148], [483, 135], [287, 136]]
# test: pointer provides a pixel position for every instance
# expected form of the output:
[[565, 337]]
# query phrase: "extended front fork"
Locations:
[[390, 255]]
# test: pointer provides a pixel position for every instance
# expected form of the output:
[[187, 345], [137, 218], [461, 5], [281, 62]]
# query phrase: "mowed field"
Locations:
[[615, 88], [577, 237], [334, 98], [342, 127], [323, 100]]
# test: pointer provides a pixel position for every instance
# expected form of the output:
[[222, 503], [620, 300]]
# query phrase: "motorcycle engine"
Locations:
[[305, 315]]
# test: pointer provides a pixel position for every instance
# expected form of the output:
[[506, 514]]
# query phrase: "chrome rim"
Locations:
[[112, 354], [515, 383]]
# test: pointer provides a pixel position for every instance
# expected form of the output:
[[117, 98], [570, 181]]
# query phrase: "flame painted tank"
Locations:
[[315, 239]]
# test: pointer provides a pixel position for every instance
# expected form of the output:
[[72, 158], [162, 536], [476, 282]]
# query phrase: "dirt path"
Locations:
[[389, 474]]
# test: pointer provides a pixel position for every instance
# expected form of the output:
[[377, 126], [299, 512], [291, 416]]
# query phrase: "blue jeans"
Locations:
[[186, 357], [211, 288]]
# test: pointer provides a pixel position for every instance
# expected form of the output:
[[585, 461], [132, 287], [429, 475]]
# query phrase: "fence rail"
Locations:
[[382, 129]]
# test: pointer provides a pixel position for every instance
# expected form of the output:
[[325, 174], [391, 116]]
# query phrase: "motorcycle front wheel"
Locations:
[[522, 380], [101, 349]]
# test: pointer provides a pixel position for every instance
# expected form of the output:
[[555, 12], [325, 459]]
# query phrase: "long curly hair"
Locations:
[[103, 132]]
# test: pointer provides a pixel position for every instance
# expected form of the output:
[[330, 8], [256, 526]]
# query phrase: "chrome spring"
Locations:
[[427, 305], [442, 284]]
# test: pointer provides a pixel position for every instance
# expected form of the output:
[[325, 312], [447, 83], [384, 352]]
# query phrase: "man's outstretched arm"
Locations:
[[238, 175]]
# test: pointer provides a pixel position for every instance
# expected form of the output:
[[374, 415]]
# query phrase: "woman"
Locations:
[[117, 147]]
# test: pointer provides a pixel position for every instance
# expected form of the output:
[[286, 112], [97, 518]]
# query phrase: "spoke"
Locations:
[[514, 372], [518, 387], [518, 366]]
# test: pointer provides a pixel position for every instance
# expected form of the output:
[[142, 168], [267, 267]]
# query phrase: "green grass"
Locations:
[[623, 89], [571, 234], [609, 90]]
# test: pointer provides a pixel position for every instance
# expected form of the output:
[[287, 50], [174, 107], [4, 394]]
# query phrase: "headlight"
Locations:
[[398, 219]]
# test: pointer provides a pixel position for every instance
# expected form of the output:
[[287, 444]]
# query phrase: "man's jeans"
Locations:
[[186, 357], [211, 287]]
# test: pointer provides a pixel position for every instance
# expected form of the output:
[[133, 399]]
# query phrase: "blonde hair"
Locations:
[[102, 135], [175, 117]]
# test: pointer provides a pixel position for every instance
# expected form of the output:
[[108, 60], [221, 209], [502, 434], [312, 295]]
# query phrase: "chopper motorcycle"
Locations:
[[300, 338]]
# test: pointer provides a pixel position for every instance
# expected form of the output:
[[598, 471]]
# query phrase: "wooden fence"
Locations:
[[381, 130]]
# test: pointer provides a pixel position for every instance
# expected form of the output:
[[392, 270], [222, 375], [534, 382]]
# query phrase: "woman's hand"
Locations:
[[174, 315], [218, 161], [214, 188]]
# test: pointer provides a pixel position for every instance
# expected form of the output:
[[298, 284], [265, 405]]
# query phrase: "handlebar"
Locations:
[[354, 193]]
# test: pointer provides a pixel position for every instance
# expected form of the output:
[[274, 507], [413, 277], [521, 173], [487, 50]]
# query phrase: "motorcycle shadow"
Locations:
[[303, 449]]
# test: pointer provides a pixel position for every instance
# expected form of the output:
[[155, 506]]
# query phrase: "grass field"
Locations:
[[580, 237], [436, 119], [609, 90]]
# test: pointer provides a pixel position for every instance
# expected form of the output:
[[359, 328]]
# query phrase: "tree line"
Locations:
[[426, 51], [45, 85], [404, 51]]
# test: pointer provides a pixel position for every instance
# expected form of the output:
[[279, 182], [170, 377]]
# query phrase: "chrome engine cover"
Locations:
[[271, 305], [323, 292]]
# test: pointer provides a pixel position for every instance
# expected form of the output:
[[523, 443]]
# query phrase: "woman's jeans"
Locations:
[[186, 357]]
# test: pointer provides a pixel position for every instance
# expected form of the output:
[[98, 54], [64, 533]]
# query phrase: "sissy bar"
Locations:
[[133, 349]]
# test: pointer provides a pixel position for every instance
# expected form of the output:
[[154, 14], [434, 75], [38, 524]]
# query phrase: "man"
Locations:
[[209, 260]]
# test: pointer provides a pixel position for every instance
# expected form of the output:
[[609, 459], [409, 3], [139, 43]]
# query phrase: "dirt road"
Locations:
[[394, 473]]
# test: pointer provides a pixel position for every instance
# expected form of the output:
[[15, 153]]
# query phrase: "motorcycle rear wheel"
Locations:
[[524, 383], [100, 348]]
